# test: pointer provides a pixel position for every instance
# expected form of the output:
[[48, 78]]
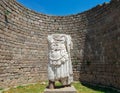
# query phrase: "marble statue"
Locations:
[[59, 65]]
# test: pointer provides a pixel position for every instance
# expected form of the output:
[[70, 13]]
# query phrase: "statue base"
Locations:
[[61, 90]]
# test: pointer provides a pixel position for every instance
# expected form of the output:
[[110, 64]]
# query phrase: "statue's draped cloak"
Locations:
[[59, 65]]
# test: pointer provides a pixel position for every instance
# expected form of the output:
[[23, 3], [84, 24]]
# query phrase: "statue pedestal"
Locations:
[[61, 90]]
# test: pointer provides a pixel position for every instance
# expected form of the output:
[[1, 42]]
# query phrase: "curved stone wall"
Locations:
[[101, 61], [23, 43]]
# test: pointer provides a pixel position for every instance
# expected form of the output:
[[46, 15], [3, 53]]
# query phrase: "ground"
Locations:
[[39, 88]]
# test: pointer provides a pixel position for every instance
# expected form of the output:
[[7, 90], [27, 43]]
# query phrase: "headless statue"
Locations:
[[59, 65]]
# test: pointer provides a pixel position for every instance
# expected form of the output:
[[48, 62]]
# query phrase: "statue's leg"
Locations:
[[51, 84], [60, 81], [64, 82]]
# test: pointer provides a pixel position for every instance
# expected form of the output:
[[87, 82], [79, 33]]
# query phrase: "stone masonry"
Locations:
[[23, 43]]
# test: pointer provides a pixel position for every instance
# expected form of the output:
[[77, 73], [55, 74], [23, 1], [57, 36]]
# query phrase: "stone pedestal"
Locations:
[[61, 90]]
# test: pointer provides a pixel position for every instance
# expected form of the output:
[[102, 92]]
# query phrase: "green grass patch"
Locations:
[[39, 88], [86, 88], [32, 88], [1, 89]]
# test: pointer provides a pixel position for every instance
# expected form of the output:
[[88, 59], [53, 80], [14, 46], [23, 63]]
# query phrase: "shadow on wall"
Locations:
[[101, 63], [100, 88]]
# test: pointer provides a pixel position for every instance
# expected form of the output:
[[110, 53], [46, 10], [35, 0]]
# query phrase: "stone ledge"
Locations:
[[61, 90]]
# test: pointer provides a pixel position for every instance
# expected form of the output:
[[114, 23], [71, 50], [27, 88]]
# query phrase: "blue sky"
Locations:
[[60, 7]]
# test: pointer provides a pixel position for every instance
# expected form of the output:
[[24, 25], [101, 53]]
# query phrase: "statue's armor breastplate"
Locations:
[[58, 54], [55, 55]]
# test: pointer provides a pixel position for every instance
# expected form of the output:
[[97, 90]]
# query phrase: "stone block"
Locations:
[[61, 90]]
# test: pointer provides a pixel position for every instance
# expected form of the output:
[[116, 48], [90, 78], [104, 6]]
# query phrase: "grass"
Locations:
[[86, 88], [39, 88], [32, 88], [1, 88]]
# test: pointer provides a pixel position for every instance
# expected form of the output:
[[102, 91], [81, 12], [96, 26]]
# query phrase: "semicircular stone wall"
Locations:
[[23, 44]]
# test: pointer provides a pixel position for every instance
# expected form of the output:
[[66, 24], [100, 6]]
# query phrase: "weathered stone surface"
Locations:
[[59, 63], [61, 90]]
